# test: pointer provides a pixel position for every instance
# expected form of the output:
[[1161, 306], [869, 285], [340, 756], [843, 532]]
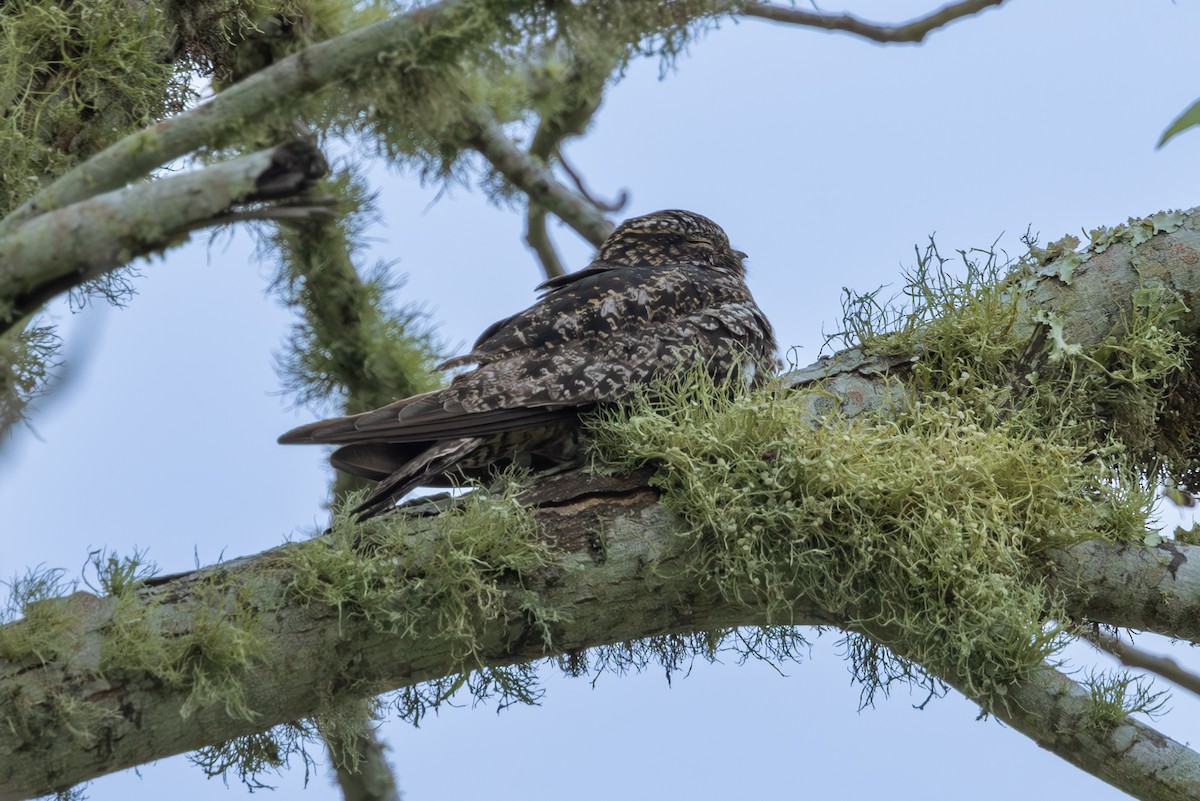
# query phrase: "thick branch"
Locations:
[[1149, 589], [908, 33], [614, 546], [68, 247], [308, 648]]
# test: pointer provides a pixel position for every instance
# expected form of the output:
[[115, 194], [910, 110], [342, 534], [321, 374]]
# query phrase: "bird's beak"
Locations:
[[741, 257]]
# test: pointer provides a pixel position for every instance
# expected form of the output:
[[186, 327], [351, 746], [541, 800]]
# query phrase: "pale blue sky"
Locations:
[[826, 159]]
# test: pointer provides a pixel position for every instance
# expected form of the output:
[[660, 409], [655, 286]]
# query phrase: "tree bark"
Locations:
[[616, 576]]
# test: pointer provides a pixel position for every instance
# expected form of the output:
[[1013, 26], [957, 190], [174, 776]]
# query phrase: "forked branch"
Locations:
[[907, 33]]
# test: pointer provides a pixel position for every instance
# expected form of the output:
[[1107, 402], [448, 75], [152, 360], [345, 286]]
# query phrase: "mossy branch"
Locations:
[[93, 684], [95, 696], [220, 121], [57, 251]]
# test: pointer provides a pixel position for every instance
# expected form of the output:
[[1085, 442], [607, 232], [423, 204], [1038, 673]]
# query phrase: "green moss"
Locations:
[[447, 587], [204, 645], [34, 619], [74, 77], [1129, 392], [1115, 695], [118, 575], [923, 524]]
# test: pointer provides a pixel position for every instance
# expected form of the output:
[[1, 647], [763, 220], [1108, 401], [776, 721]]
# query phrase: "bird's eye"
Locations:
[[703, 243]]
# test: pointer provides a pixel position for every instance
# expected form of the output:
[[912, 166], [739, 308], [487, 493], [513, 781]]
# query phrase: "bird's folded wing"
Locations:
[[594, 303], [532, 389]]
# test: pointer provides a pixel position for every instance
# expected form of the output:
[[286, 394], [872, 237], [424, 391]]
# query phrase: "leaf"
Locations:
[[1179, 497], [1187, 119]]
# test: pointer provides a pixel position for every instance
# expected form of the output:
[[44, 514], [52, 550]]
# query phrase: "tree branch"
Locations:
[[81, 698], [218, 122], [535, 180], [538, 238], [1134, 657], [70, 246], [908, 33], [302, 650], [1149, 589]]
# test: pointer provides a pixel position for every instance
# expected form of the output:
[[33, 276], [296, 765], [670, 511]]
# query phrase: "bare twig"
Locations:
[[538, 239], [909, 32], [1134, 657], [535, 180], [609, 206]]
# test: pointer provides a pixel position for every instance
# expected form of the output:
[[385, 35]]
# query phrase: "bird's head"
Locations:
[[671, 237]]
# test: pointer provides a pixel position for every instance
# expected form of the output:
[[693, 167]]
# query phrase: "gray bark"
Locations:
[[631, 587]]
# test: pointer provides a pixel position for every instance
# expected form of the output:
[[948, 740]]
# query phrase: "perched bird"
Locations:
[[665, 291]]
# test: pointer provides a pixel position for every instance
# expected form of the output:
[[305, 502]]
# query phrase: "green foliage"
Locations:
[[1190, 118], [1115, 695]]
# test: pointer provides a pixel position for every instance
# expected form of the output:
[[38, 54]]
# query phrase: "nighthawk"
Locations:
[[665, 291]]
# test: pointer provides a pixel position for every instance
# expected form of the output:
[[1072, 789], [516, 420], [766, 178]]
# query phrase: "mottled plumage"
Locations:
[[664, 291]]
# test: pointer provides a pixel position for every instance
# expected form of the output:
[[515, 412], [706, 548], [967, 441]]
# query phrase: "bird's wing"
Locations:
[[425, 469], [587, 343], [598, 301], [531, 389], [436, 415]]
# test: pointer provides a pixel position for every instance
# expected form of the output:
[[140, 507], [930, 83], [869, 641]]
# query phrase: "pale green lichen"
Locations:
[[1116, 694], [448, 587], [1130, 391], [204, 646], [248, 757], [74, 77], [118, 575], [1135, 231], [924, 524], [33, 616]]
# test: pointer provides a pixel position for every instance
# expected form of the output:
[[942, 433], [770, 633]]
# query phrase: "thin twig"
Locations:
[[539, 240], [909, 32], [1134, 657], [609, 206]]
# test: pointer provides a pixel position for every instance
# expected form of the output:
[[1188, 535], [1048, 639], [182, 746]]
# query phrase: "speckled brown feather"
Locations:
[[665, 291]]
